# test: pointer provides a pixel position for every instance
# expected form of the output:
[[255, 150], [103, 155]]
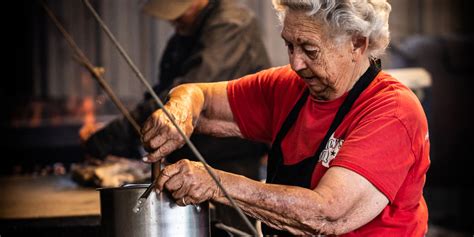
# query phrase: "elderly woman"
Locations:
[[350, 145]]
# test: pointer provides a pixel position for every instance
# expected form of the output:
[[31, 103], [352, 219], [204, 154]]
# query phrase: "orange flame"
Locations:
[[89, 118]]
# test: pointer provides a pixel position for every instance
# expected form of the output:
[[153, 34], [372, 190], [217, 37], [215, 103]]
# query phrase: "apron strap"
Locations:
[[346, 106], [272, 167]]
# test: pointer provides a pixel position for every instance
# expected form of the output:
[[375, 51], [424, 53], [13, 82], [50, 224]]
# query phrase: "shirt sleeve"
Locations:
[[260, 102], [380, 150], [248, 99]]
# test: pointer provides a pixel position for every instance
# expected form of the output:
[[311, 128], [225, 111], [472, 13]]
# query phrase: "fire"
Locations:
[[89, 111], [89, 119], [88, 106]]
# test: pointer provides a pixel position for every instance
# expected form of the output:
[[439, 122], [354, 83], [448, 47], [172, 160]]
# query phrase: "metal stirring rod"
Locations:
[[80, 56], [141, 201], [155, 172]]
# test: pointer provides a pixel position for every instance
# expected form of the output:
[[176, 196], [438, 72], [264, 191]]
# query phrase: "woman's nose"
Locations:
[[297, 62]]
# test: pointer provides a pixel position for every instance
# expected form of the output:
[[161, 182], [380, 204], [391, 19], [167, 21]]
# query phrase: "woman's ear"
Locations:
[[359, 46]]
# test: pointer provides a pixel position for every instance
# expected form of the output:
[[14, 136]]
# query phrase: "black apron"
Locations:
[[300, 174]]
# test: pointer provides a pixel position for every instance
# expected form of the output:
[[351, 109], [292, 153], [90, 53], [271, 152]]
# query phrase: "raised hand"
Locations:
[[160, 136]]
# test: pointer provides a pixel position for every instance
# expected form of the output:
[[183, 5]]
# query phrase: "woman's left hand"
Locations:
[[188, 182]]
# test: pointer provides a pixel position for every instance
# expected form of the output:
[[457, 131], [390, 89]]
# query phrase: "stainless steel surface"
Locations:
[[159, 215], [149, 189], [142, 199], [155, 172]]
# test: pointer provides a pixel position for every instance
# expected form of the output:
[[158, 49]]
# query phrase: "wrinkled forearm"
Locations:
[[189, 97], [297, 210], [209, 106]]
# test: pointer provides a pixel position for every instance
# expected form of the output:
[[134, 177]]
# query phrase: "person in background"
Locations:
[[214, 40], [350, 143]]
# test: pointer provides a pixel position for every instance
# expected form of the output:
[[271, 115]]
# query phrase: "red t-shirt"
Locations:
[[384, 138]]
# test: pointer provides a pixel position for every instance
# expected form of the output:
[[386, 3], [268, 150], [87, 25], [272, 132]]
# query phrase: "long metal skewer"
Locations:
[[88, 65], [83, 60], [170, 117]]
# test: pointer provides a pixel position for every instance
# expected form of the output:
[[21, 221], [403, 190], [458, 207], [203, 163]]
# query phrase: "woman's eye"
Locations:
[[311, 52]]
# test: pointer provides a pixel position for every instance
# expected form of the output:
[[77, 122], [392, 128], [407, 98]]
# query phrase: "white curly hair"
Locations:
[[368, 18]]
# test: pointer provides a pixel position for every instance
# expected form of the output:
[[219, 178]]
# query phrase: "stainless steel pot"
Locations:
[[159, 216]]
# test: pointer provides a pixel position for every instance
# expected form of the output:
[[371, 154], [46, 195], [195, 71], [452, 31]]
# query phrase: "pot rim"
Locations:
[[124, 187]]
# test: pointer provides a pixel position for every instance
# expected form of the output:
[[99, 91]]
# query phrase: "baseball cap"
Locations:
[[167, 9]]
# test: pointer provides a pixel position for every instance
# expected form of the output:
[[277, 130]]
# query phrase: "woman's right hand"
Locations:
[[160, 136]]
